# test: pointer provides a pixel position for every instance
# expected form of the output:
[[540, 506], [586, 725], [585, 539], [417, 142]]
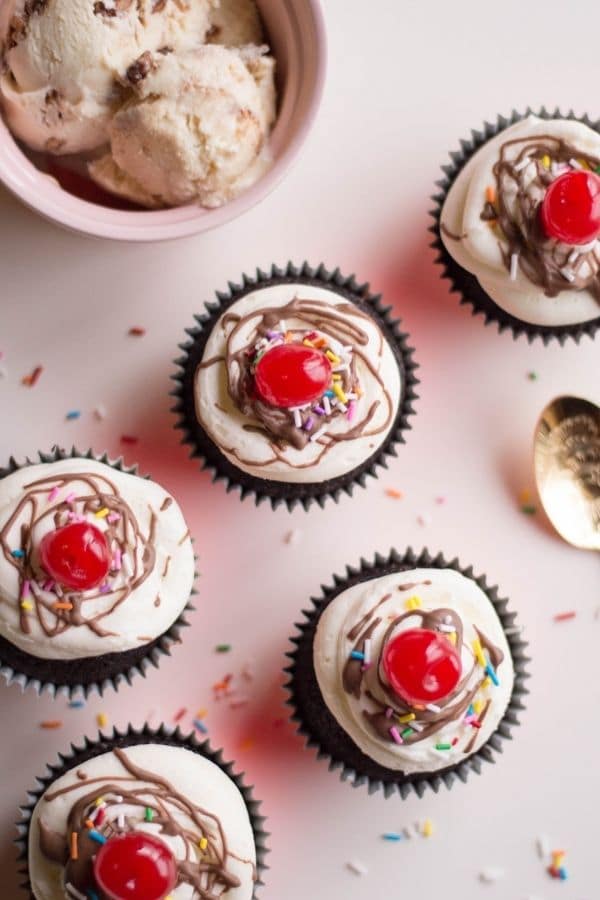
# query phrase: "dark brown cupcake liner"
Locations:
[[466, 284], [76, 756], [77, 678], [322, 731], [279, 492]]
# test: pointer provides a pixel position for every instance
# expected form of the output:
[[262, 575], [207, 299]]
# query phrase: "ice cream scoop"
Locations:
[[193, 129], [62, 61]]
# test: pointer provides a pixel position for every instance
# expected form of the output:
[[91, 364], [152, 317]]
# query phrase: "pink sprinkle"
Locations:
[[396, 735], [48, 585], [70, 497], [470, 719], [366, 666], [440, 500], [53, 494], [105, 588], [25, 589], [389, 712], [113, 517], [351, 410], [117, 560]]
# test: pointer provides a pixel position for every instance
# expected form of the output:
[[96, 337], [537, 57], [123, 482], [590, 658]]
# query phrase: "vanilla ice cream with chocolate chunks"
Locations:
[[194, 128], [61, 61]]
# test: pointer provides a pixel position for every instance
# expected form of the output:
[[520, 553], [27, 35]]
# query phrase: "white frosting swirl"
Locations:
[[445, 589], [479, 249], [198, 779], [253, 452], [150, 608]]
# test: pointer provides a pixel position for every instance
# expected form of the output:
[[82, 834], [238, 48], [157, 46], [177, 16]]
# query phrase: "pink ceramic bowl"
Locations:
[[297, 37]]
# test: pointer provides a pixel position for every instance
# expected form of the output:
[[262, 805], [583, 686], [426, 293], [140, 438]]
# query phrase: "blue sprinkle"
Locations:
[[392, 836], [329, 394], [77, 704], [562, 872], [356, 654], [490, 671], [92, 894], [199, 724], [96, 836], [73, 414], [18, 554], [471, 711]]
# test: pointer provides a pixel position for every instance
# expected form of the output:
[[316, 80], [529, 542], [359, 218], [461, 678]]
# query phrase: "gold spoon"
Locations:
[[567, 469]]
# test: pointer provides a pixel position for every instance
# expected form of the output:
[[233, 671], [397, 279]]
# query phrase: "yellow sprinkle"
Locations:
[[486, 683], [201, 714], [583, 164], [546, 161], [99, 801], [477, 707], [525, 496], [332, 357], [359, 391], [26, 605], [288, 337], [203, 843], [407, 718], [451, 635], [477, 650], [336, 377], [307, 343], [102, 513], [427, 829], [413, 603], [337, 390], [102, 720]]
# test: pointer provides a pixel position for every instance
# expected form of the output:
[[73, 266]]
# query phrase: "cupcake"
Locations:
[[407, 673], [295, 386], [96, 570], [142, 816], [518, 221]]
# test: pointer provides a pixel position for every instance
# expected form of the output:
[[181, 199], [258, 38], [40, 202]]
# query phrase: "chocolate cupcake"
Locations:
[[139, 816], [517, 224], [408, 673], [96, 571], [295, 386]]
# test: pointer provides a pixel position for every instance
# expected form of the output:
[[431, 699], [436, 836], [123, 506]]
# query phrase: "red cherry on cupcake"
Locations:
[[421, 666], [570, 210], [76, 556], [292, 375], [135, 866]]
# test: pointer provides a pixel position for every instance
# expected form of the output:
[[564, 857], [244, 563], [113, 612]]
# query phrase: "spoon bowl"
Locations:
[[567, 469]]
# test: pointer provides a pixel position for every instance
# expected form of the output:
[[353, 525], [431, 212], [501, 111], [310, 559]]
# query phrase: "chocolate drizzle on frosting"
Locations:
[[341, 323], [386, 707], [131, 800], [50, 502], [524, 171]]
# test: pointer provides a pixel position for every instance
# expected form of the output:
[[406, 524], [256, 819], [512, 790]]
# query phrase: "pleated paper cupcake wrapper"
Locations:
[[278, 492], [466, 284], [79, 678], [322, 731], [76, 756]]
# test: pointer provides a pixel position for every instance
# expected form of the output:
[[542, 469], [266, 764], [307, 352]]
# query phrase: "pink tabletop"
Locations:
[[404, 85]]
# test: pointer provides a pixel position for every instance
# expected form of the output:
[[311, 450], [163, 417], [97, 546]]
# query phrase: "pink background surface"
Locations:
[[404, 85]]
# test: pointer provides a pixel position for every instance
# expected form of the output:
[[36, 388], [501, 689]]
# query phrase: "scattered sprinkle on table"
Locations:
[[73, 414], [529, 509], [532, 376], [440, 500], [223, 648], [491, 875], [424, 520], [76, 704], [200, 726], [391, 836], [32, 379], [543, 846], [292, 537], [102, 720], [427, 829], [357, 867], [136, 331], [100, 412], [565, 616], [51, 724], [128, 439], [180, 714], [394, 494]]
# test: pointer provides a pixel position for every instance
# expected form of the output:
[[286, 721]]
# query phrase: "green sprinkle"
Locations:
[[407, 732], [529, 509], [597, 170], [533, 376], [443, 746], [149, 815], [223, 648]]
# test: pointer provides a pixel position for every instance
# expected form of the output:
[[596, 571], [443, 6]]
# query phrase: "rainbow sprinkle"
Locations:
[[96, 836], [395, 734]]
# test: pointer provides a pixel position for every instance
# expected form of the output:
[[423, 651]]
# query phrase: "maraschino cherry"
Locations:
[[421, 666], [292, 375], [135, 866], [76, 556], [570, 210]]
